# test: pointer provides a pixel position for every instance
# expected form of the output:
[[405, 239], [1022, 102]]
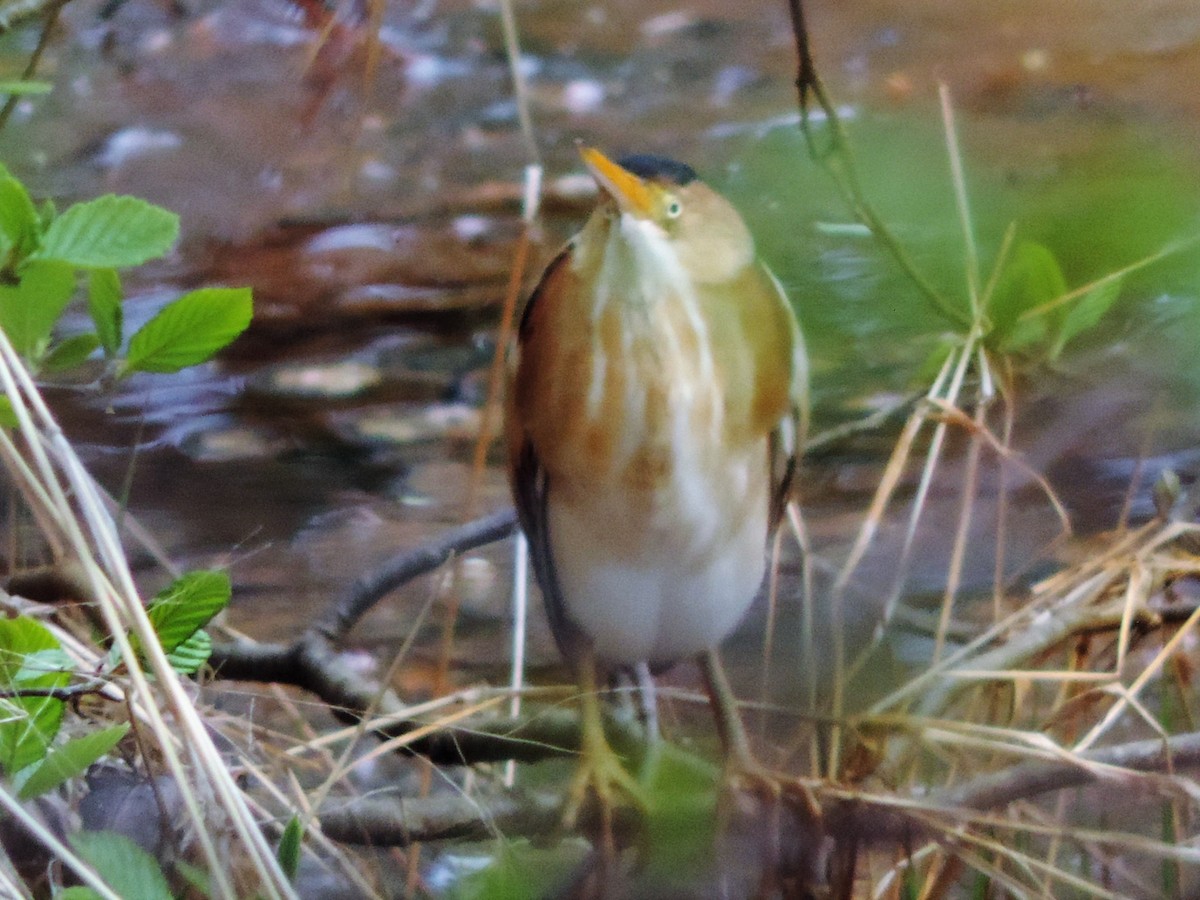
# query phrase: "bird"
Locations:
[[656, 402]]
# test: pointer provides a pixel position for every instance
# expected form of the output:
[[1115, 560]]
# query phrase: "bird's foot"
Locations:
[[774, 789], [602, 784], [781, 815]]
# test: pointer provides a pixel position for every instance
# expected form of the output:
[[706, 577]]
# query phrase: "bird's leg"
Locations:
[[639, 699], [600, 771], [740, 762], [634, 687], [734, 741], [777, 792], [648, 699], [648, 696]]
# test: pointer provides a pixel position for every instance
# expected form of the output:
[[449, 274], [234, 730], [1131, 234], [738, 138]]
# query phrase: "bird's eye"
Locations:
[[673, 209]]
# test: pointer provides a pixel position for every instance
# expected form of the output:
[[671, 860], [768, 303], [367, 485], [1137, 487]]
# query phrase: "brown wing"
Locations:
[[528, 477]]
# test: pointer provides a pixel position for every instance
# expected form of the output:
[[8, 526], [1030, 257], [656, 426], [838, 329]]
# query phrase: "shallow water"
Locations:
[[377, 228]]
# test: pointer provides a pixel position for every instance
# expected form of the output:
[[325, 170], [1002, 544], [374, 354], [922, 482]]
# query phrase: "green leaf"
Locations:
[[110, 232], [77, 892], [8, 418], [187, 605], [30, 658], [681, 797], [192, 653], [928, 370], [520, 870], [47, 213], [289, 847], [70, 353], [24, 740], [29, 308], [71, 759], [23, 88], [29, 652], [129, 870], [19, 225], [1086, 312], [194, 876], [1031, 278], [104, 304], [189, 331]]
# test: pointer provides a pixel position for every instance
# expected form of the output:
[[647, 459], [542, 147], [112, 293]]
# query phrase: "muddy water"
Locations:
[[376, 217]]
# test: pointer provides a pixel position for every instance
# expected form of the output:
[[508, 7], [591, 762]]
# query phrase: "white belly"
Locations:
[[662, 580]]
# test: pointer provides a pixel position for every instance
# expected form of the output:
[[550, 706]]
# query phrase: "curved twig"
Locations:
[[336, 623], [838, 160]]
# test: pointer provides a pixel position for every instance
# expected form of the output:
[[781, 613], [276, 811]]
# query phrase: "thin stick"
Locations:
[[52, 13], [1149, 672], [124, 616], [50, 841], [958, 178], [520, 589], [512, 51], [838, 160]]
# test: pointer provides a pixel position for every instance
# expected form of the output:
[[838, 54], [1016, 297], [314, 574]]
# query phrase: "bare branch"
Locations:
[[314, 664], [370, 588], [863, 819], [398, 822], [64, 693]]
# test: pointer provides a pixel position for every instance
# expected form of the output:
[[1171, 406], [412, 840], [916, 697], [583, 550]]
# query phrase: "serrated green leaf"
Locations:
[[19, 223], [70, 353], [110, 232], [71, 759], [189, 331], [29, 308], [1031, 278], [30, 657], [189, 656], [129, 870], [29, 652], [1086, 312], [187, 605], [289, 847], [24, 741], [104, 304]]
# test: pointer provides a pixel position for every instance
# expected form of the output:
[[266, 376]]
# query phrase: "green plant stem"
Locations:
[[838, 160], [52, 13]]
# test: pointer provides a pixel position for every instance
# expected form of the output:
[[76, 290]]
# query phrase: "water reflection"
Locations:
[[374, 284]]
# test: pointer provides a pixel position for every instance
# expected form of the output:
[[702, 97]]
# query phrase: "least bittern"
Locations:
[[653, 422]]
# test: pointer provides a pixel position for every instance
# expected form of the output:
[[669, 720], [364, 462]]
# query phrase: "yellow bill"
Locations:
[[632, 194]]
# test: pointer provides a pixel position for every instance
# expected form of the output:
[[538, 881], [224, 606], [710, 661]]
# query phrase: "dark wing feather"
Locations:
[[531, 489], [525, 327], [784, 449]]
